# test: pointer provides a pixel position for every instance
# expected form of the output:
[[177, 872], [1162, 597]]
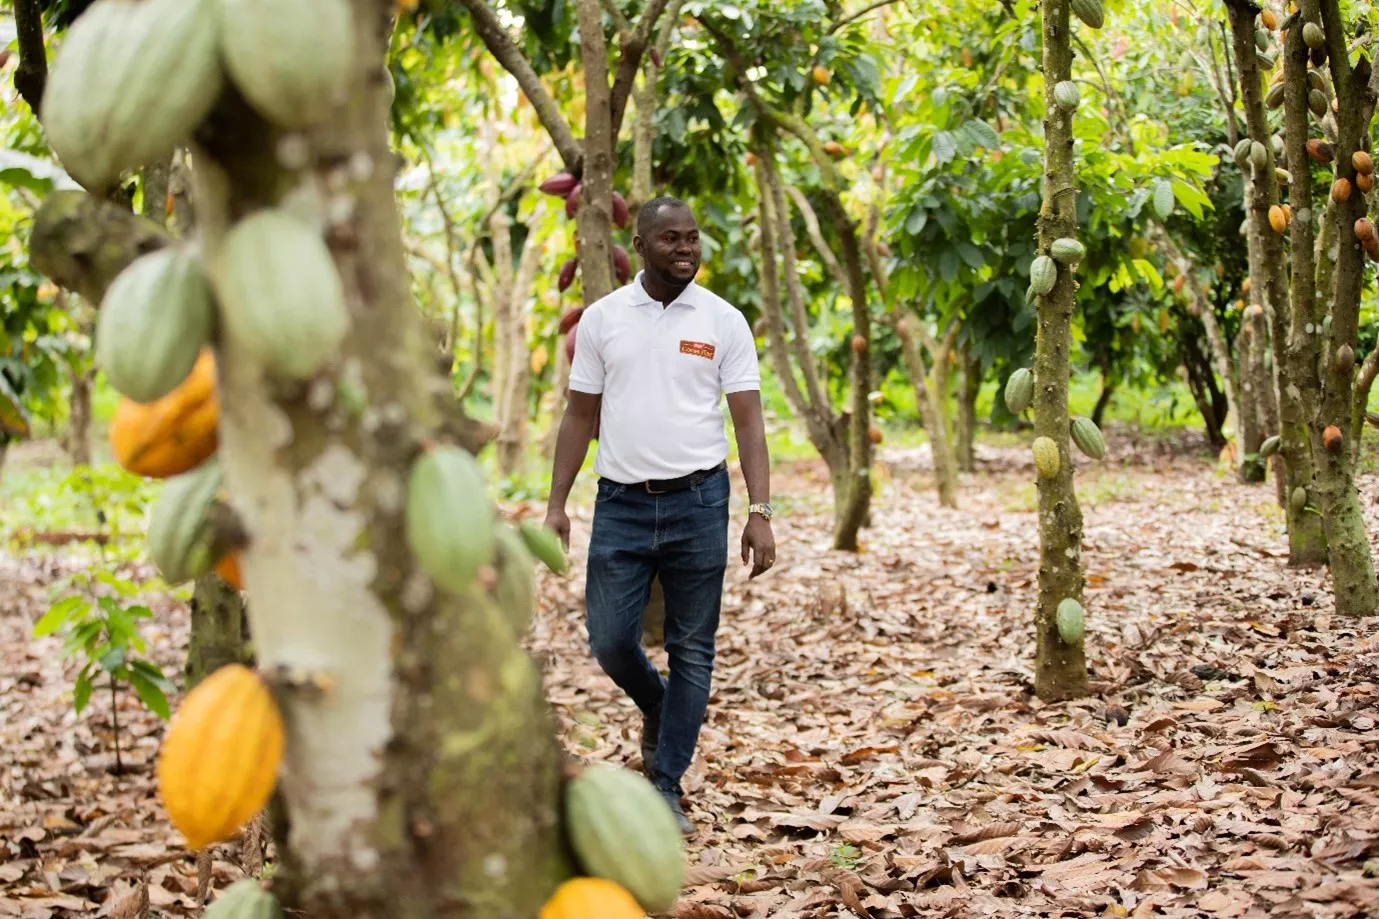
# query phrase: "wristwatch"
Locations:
[[763, 509]]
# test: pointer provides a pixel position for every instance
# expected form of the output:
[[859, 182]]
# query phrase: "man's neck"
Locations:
[[664, 293]]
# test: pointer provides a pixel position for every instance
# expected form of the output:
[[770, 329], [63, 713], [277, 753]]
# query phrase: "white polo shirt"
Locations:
[[662, 372]]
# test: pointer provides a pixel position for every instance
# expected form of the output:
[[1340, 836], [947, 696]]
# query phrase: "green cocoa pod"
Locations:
[[130, 82], [280, 294], [1019, 392], [1287, 22], [1089, 11], [1268, 360], [1046, 458], [1163, 199], [621, 829], [515, 590], [1274, 98], [1043, 274], [1259, 155], [290, 61], [1242, 153], [1067, 250], [1277, 142], [1313, 35], [1071, 621], [154, 319], [1298, 499], [449, 519], [1282, 176], [1066, 95], [179, 535], [1345, 360], [544, 544], [1266, 59], [245, 899], [1088, 437], [1270, 446], [1315, 81], [1262, 39], [1316, 101]]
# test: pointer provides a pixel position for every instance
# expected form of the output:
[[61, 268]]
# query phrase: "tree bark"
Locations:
[[511, 363], [31, 76], [1363, 384], [1306, 538], [1103, 402], [79, 423], [594, 219], [219, 630], [970, 388], [1256, 383], [1060, 666], [1350, 558]]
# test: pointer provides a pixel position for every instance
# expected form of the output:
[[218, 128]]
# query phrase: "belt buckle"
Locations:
[[651, 491]]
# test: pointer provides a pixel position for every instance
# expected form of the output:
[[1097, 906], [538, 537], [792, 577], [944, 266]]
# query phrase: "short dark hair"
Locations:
[[652, 209]]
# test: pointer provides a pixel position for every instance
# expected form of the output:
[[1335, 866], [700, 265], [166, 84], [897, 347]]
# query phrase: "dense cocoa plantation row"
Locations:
[[310, 277]]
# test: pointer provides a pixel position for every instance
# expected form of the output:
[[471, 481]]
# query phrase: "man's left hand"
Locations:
[[758, 544]]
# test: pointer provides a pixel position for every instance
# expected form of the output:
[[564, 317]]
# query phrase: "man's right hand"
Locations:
[[559, 521]]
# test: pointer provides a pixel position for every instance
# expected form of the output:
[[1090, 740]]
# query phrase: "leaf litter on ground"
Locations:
[[873, 746]]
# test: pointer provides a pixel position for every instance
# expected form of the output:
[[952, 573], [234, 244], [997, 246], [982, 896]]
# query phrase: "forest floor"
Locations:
[[873, 746]]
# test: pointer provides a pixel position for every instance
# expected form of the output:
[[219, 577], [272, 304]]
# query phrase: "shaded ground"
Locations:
[[873, 746]]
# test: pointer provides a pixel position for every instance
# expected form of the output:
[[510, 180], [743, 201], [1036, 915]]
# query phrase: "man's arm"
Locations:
[[571, 446], [750, 429]]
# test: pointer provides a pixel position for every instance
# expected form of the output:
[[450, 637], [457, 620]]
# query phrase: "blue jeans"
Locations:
[[682, 537]]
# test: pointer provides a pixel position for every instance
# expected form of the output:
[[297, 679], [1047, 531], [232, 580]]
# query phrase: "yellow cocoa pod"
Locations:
[[219, 760], [1277, 220], [1046, 458]]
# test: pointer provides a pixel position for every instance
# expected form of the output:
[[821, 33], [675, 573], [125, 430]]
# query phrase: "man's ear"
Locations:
[[639, 245]]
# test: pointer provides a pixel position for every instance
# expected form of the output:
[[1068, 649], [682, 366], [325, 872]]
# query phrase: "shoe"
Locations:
[[672, 800], [651, 727]]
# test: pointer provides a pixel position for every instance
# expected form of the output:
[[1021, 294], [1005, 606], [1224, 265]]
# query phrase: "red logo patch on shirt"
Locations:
[[697, 348]]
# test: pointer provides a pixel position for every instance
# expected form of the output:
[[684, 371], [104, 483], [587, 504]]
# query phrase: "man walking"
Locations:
[[653, 359]]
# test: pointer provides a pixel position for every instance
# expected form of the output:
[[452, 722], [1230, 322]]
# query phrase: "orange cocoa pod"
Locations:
[[1340, 190], [1362, 162], [228, 569], [1364, 181], [173, 434], [1364, 229], [1331, 439]]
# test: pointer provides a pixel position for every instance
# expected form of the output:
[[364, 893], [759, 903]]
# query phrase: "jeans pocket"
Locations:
[[713, 491], [608, 491]]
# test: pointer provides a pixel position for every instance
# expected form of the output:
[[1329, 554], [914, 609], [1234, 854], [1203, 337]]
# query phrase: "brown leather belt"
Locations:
[[666, 486]]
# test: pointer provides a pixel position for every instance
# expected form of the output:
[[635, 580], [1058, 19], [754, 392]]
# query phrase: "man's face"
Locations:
[[670, 249]]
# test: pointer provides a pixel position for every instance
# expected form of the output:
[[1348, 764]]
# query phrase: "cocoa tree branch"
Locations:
[[816, 236], [81, 242], [633, 46], [619, 19], [505, 50], [853, 17], [31, 77]]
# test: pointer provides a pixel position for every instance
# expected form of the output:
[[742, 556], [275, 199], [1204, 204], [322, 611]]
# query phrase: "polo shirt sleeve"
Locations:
[[739, 371], [586, 372]]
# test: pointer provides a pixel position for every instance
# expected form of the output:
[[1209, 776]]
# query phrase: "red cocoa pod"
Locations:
[[559, 184], [570, 319], [621, 264], [572, 200], [570, 343], [619, 211], [655, 57], [567, 273]]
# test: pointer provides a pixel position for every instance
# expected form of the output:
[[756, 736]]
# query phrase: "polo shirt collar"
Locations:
[[641, 298]]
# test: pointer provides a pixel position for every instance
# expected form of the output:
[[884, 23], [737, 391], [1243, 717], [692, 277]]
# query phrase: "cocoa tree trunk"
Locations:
[[219, 630], [79, 423], [1060, 666], [511, 362], [971, 386], [421, 776], [1324, 363], [1306, 538], [1364, 382], [1256, 384]]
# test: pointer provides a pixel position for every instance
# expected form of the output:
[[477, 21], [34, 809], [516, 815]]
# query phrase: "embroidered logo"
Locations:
[[697, 348]]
